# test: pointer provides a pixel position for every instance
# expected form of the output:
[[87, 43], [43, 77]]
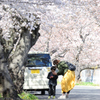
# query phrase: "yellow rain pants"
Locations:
[[68, 81]]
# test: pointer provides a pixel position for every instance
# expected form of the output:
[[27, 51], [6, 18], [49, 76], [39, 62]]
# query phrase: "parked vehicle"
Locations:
[[36, 71]]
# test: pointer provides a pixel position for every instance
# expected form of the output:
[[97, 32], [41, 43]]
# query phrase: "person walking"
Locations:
[[52, 82], [68, 80]]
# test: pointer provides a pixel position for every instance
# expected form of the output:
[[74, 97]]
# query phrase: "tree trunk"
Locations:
[[13, 52]]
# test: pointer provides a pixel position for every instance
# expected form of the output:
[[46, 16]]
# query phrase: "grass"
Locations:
[[87, 84], [27, 96], [0, 95], [58, 82], [83, 83]]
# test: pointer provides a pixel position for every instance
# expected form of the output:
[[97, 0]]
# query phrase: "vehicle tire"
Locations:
[[25, 91], [43, 92]]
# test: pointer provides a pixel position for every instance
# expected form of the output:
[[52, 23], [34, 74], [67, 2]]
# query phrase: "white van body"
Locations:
[[36, 71]]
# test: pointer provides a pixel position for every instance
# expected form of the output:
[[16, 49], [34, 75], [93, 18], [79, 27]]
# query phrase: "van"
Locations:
[[36, 71]]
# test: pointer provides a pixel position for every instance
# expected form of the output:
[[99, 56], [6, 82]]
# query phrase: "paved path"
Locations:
[[78, 93]]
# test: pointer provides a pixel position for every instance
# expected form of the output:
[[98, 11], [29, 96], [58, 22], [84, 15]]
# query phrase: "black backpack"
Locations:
[[71, 66]]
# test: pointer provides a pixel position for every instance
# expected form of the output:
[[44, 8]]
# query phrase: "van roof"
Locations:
[[30, 52]]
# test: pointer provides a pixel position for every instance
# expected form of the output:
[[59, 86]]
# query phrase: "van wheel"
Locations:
[[43, 92]]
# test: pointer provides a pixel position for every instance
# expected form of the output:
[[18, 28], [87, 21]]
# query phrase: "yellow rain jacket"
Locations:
[[68, 80]]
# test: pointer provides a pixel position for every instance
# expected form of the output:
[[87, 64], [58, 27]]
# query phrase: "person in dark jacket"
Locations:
[[52, 82]]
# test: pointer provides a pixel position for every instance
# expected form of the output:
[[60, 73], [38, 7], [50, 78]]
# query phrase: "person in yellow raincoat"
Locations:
[[68, 80]]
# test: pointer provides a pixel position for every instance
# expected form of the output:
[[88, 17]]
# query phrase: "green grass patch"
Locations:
[[83, 83], [0, 95], [27, 96], [58, 82], [87, 84]]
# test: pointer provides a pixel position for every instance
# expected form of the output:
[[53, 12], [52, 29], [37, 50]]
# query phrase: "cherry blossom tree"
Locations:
[[74, 35], [69, 29]]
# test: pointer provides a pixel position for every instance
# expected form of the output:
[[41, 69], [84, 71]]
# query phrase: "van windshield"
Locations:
[[39, 60]]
